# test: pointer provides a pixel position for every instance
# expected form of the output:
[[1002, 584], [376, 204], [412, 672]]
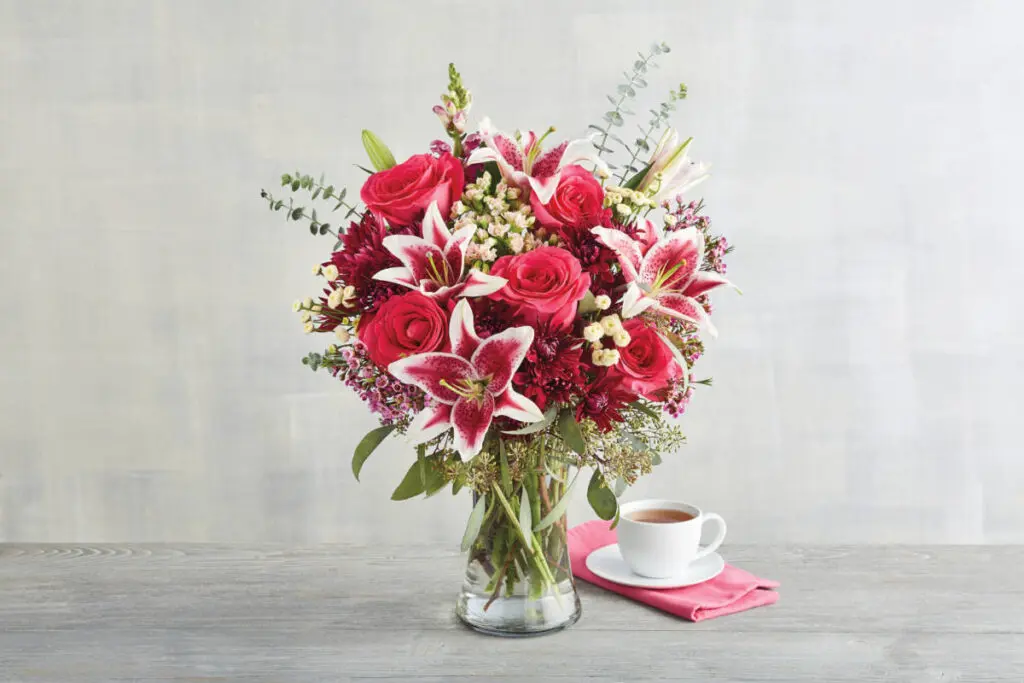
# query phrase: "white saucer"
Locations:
[[607, 563]]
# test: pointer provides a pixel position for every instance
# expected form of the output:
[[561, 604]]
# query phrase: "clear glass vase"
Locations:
[[519, 581]]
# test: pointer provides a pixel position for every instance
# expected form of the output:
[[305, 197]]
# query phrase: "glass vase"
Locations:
[[518, 580]]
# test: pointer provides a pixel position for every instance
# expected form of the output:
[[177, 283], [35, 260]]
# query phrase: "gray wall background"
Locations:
[[867, 166]]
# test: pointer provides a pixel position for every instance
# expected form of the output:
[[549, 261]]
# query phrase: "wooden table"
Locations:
[[356, 613]]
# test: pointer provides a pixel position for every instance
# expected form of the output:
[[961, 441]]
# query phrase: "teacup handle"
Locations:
[[717, 541]]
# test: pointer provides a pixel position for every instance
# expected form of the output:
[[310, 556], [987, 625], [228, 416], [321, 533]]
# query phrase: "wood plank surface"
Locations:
[[352, 612]]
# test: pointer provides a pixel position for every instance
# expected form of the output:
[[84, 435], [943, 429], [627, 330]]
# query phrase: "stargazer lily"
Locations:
[[671, 172], [524, 165], [435, 263], [469, 386], [663, 272]]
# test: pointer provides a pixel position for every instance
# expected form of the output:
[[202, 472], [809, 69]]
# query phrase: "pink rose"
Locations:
[[646, 364], [578, 201], [404, 325], [402, 193], [544, 284]]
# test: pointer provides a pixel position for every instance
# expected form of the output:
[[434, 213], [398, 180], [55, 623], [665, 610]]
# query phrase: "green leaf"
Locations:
[[533, 428], [296, 185], [473, 524], [337, 244], [634, 182], [587, 304], [312, 229], [615, 102], [559, 509], [316, 193], [506, 478], [601, 497], [368, 445], [460, 481], [655, 49], [569, 429], [412, 483], [645, 409], [286, 179], [599, 129], [656, 459], [525, 514], [329, 192], [620, 487], [325, 228], [350, 212], [613, 117], [627, 90], [380, 156], [639, 82], [364, 169], [297, 213]]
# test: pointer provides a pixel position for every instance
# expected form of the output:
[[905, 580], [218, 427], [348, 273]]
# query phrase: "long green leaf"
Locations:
[[476, 520], [646, 410], [367, 446], [634, 181], [433, 476], [412, 483], [601, 498], [506, 477], [525, 513], [380, 156], [559, 509], [533, 428], [570, 431]]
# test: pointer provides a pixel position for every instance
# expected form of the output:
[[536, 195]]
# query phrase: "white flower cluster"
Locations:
[[626, 202], [504, 224], [608, 326]]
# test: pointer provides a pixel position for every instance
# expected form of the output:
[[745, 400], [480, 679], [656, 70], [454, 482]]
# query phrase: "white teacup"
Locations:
[[662, 549]]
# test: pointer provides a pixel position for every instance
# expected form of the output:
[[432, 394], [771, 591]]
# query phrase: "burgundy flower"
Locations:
[[552, 371], [603, 403], [362, 256]]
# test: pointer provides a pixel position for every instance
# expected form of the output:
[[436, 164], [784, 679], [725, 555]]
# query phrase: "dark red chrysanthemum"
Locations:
[[362, 256], [596, 258], [552, 371], [603, 403], [491, 316]]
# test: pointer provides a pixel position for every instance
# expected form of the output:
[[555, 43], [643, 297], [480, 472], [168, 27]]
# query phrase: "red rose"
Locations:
[[401, 194], [578, 201], [646, 364], [544, 284], [404, 325]]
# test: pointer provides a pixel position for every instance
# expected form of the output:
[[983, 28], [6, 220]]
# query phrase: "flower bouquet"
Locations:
[[519, 310]]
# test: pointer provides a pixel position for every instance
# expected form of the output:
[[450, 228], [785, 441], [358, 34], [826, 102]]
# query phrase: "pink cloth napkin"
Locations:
[[734, 590]]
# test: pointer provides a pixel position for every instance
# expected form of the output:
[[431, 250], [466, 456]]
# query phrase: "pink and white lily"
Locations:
[[663, 272], [671, 171], [469, 386], [523, 164], [435, 263]]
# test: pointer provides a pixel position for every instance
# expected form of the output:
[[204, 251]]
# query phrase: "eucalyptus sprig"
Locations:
[[659, 117], [626, 91], [316, 190]]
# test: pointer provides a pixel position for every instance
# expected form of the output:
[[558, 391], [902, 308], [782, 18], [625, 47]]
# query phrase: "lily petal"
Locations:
[[544, 188], [461, 330], [625, 247], [686, 308], [516, 406], [432, 421], [677, 355], [680, 252], [434, 229], [479, 283], [705, 280], [416, 254], [634, 301], [455, 250], [398, 275], [648, 233], [471, 418], [431, 371], [500, 355], [581, 150], [482, 155]]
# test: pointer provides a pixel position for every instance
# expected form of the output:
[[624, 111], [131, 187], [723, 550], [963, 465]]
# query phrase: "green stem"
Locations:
[[529, 541]]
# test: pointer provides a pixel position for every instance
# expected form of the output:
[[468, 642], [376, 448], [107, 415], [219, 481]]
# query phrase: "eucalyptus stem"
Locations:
[[638, 68]]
